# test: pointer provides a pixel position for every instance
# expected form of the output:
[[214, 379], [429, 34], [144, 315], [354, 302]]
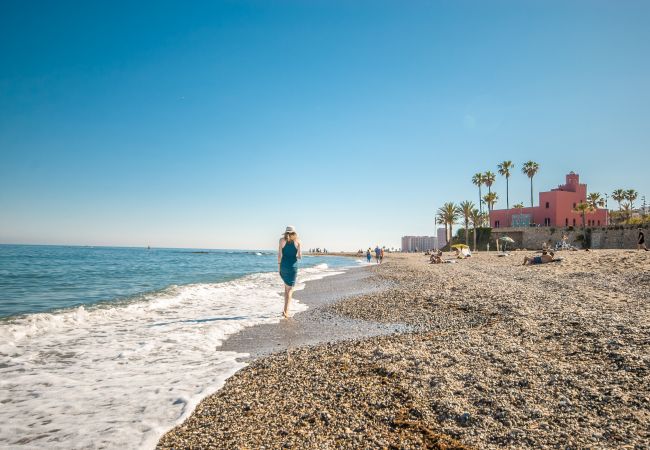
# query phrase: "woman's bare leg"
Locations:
[[290, 298], [287, 300]]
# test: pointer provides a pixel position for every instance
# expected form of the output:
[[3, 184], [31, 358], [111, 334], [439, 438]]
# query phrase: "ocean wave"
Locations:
[[123, 373]]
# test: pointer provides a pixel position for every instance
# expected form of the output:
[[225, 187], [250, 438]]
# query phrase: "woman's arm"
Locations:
[[280, 250], [299, 250]]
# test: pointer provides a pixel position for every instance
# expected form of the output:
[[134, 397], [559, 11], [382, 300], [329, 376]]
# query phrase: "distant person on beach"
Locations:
[[378, 254], [436, 258], [381, 256], [369, 255], [546, 257], [289, 253], [640, 243]]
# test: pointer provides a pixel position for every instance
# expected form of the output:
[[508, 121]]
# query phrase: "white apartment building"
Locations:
[[442, 237], [419, 243]]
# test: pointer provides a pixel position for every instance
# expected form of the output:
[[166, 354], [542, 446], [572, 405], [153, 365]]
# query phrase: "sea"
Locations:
[[105, 347]]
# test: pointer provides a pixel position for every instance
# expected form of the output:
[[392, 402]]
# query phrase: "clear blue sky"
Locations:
[[215, 124]]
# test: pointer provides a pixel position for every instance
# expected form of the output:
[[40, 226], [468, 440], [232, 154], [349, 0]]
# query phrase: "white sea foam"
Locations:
[[120, 376]]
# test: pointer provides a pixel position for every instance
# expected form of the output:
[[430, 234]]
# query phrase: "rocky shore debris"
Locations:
[[553, 356]]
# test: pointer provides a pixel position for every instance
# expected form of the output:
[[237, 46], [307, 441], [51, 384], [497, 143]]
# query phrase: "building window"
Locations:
[[547, 204], [566, 222], [574, 222], [599, 223], [574, 205], [496, 224]]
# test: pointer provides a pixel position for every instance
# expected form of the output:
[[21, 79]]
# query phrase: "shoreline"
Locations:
[[136, 366], [317, 324], [311, 327], [496, 355]]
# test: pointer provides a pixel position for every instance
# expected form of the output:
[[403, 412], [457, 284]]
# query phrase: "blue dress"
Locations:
[[289, 263]]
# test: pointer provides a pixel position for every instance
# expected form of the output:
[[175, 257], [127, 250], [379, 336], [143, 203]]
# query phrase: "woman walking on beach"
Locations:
[[289, 253]]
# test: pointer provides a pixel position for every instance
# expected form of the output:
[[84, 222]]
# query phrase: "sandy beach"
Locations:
[[490, 355]]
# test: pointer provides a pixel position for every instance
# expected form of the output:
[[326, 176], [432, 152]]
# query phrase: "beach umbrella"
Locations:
[[460, 246], [506, 239]]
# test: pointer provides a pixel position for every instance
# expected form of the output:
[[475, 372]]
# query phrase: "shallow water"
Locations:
[[139, 352]]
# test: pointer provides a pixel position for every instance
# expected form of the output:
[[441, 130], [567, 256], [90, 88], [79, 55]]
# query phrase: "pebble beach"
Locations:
[[490, 354]]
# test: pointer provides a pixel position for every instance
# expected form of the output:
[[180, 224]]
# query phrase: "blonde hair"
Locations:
[[290, 236]]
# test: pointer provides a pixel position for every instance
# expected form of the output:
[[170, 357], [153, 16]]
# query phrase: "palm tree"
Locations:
[[477, 221], [630, 196], [466, 209], [478, 180], [489, 178], [595, 200], [530, 168], [490, 199], [504, 170], [619, 195], [626, 212], [584, 208], [450, 214]]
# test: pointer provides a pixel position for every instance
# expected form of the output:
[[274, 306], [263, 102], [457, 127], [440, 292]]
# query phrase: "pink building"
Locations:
[[555, 209]]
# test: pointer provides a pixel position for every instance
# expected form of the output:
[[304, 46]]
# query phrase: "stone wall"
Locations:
[[611, 238], [533, 238]]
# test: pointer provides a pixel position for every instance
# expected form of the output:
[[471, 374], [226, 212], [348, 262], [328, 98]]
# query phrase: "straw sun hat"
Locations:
[[290, 229]]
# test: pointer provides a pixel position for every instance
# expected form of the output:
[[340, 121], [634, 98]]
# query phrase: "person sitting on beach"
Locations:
[[546, 257], [436, 258], [368, 255], [459, 254], [565, 241]]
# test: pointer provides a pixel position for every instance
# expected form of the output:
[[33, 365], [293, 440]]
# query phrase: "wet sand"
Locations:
[[318, 324], [498, 355]]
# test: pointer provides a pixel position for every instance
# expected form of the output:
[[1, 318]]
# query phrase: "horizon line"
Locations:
[[136, 246]]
